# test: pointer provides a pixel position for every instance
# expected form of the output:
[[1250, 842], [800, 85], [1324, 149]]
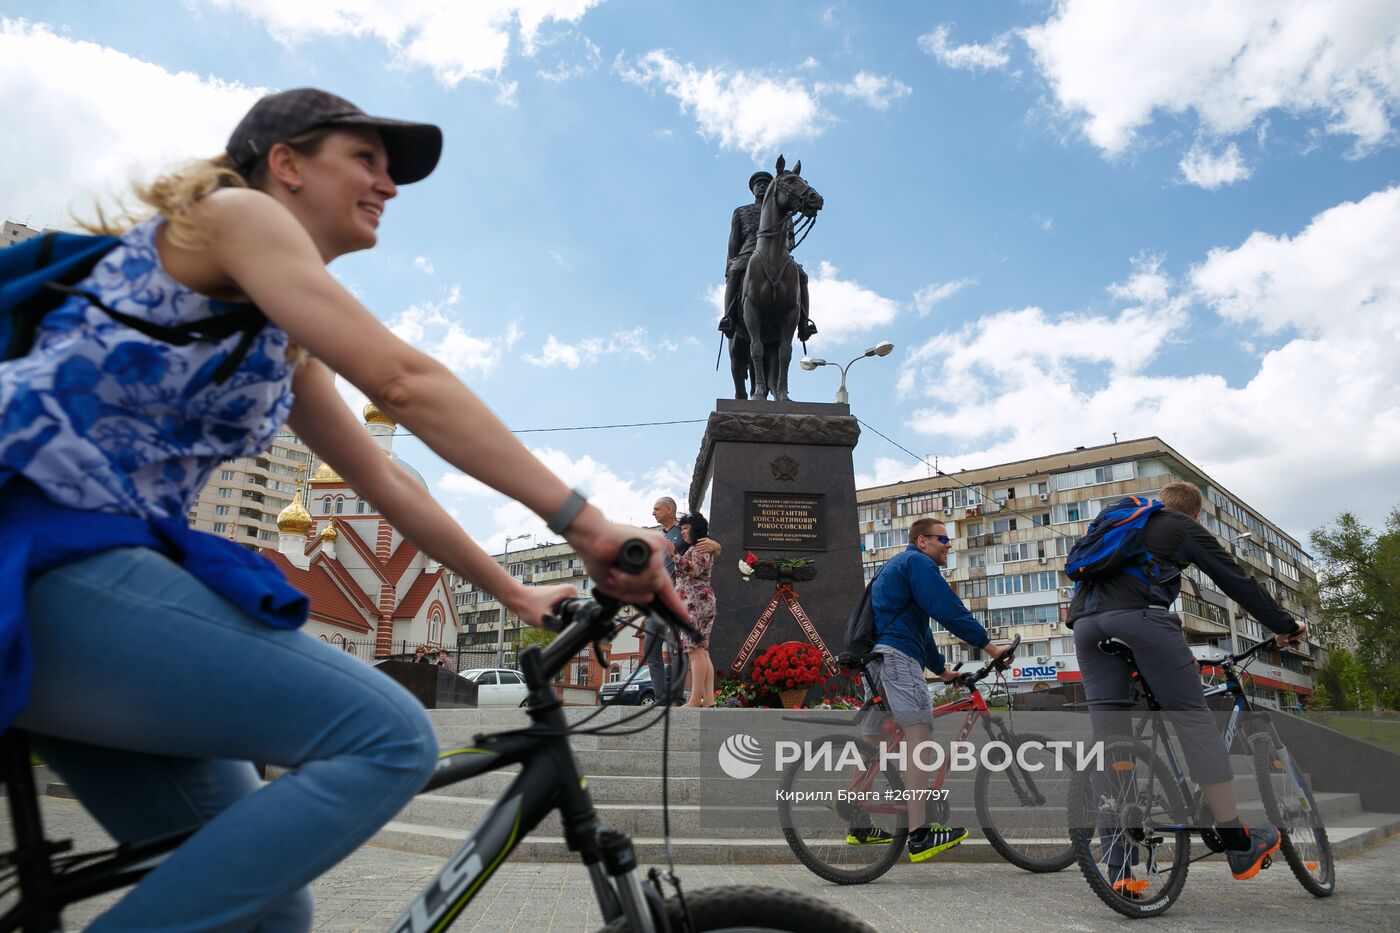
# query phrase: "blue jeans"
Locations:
[[151, 697]]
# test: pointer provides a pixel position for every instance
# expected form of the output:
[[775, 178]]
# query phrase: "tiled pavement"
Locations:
[[369, 889]]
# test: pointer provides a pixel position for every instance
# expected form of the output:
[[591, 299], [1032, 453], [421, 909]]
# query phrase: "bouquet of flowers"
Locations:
[[776, 568]]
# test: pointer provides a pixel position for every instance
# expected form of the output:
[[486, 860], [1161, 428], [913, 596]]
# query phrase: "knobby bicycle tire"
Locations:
[[1084, 804], [1295, 825], [1039, 857], [755, 909], [815, 845]]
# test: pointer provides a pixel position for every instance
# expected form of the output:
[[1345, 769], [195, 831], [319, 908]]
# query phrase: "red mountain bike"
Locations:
[[845, 782]]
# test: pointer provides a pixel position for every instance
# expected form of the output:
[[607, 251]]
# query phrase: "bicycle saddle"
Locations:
[[1116, 646]]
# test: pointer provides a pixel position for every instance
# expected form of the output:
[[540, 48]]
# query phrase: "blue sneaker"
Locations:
[[1263, 843]]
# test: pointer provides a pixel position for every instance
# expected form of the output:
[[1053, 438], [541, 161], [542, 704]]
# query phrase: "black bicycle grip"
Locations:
[[633, 556]]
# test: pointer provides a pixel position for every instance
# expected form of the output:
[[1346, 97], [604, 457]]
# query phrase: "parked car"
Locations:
[[497, 686], [634, 690]]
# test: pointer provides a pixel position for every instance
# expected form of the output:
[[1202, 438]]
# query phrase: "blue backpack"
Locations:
[[1114, 544], [38, 275]]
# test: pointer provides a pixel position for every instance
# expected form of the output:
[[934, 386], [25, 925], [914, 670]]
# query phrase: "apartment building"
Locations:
[[243, 497], [1013, 524], [13, 233]]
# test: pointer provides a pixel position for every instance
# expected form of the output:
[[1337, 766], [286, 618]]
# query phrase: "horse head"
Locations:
[[792, 192]]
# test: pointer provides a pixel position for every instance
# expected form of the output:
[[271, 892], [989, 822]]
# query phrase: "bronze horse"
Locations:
[[772, 298]]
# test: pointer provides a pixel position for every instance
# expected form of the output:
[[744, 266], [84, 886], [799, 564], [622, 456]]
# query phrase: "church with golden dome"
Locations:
[[372, 591]]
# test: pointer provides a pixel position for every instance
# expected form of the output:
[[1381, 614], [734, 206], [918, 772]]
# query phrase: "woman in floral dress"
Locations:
[[693, 570]]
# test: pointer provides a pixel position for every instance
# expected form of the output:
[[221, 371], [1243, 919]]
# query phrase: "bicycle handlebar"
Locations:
[[997, 664], [581, 621]]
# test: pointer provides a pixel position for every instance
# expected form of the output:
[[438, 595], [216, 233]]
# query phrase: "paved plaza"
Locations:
[[368, 890]]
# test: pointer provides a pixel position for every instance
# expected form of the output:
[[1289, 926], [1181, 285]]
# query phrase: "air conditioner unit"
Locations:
[[994, 631], [1059, 665], [1041, 559], [1045, 497], [1042, 660], [947, 511], [884, 521], [1054, 626]]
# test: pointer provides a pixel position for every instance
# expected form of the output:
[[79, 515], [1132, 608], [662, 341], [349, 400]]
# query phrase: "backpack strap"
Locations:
[[247, 320]]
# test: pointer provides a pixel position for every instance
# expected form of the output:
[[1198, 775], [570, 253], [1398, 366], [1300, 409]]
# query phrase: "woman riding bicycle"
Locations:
[[109, 434], [1135, 611]]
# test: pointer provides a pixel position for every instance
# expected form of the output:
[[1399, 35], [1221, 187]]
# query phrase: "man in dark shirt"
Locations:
[[905, 594], [1139, 614], [653, 634]]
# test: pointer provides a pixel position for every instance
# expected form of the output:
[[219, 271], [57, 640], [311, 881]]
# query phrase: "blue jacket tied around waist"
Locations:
[[37, 536]]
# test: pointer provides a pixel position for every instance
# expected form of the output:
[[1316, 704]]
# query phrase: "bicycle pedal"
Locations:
[[1268, 860]]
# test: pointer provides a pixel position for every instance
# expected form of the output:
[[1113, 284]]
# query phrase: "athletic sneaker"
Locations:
[[868, 836], [1125, 885], [1264, 843], [926, 843]]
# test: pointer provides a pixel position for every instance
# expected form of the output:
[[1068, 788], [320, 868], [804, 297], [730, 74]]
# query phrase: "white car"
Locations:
[[497, 686]]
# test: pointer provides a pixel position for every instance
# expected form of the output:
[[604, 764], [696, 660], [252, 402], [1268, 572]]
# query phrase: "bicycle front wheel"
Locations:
[[843, 815], [1021, 808], [1290, 806], [1127, 822], [755, 910]]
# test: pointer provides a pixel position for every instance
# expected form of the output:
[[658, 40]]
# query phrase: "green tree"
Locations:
[[1358, 596]]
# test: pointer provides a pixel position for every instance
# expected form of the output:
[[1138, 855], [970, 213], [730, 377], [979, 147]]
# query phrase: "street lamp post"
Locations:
[[808, 363], [501, 618]]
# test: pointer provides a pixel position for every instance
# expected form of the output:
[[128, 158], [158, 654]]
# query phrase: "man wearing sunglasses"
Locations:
[[906, 593]]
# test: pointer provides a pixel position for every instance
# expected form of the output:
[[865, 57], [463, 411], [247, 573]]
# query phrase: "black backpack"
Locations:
[[860, 627], [39, 274]]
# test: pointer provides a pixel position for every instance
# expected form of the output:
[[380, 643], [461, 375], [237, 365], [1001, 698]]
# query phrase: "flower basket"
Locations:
[[792, 699], [789, 669]]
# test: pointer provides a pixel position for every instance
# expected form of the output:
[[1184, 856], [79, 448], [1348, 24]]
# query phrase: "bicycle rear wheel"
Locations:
[[1127, 825], [755, 910], [833, 836], [1022, 811], [1290, 806]]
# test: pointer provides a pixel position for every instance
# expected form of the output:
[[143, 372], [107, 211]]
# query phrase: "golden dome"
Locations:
[[374, 416], [325, 473], [294, 519], [329, 533]]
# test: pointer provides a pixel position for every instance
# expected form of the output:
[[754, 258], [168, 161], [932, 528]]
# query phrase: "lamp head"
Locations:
[[810, 363], [883, 348]]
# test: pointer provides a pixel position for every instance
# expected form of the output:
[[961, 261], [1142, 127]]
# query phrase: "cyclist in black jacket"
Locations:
[[1139, 613]]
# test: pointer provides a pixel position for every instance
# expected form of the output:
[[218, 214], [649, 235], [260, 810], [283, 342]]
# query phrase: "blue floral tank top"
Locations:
[[103, 418]]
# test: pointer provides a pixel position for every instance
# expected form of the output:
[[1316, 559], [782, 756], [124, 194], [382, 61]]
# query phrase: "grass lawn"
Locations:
[[1384, 732]]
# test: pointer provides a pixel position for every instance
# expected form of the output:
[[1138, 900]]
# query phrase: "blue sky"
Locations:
[[1071, 218]]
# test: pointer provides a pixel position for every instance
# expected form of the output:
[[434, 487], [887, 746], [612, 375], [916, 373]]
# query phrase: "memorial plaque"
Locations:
[[783, 522]]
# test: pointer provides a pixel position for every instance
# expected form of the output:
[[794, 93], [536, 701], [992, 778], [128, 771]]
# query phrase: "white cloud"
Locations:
[[1212, 170], [744, 110], [876, 91], [435, 328], [1319, 411], [78, 121], [635, 342], [843, 308], [1113, 64], [971, 57], [623, 498], [456, 41], [930, 295], [752, 111], [423, 264], [567, 69]]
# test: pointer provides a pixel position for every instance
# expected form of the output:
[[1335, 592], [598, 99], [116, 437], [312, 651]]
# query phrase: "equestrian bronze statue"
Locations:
[[765, 298]]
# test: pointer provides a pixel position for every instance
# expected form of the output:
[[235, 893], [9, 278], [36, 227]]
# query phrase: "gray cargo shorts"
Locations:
[[903, 687]]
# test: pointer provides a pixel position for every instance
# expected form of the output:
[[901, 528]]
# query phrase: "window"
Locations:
[[339, 504], [225, 492], [220, 510], [614, 674], [486, 679], [581, 677], [1113, 473], [267, 536], [225, 474], [326, 505], [250, 531], [1040, 519], [511, 679], [359, 506], [220, 527], [1004, 524], [973, 529]]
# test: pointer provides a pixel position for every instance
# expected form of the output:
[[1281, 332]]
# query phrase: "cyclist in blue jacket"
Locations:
[[908, 591]]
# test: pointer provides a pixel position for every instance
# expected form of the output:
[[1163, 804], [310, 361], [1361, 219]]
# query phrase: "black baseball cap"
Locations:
[[413, 148]]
